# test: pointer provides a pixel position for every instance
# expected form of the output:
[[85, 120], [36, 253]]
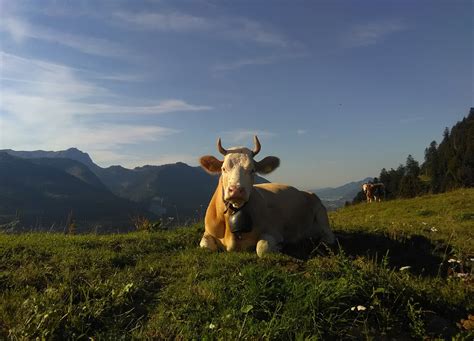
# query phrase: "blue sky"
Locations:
[[336, 89]]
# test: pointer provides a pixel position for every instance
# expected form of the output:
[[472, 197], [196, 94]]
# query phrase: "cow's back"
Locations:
[[291, 211]]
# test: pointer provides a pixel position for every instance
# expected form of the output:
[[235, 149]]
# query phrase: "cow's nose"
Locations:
[[236, 191]]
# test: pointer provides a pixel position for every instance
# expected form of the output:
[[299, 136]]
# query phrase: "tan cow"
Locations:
[[263, 217]]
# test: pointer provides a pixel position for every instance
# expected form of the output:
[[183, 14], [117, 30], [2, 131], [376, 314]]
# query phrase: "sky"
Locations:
[[336, 89]]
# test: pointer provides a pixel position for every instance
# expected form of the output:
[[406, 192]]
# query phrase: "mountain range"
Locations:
[[47, 188], [335, 197]]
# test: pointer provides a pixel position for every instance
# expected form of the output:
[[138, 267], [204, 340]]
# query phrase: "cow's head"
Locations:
[[365, 187], [238, 170]]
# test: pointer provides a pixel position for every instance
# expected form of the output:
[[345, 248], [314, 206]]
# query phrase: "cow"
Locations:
[[243, 216], [374, 192]]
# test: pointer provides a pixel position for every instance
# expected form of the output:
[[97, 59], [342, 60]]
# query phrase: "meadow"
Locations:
[[402, 270]]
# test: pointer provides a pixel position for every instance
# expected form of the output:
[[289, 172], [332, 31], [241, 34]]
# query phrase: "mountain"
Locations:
[[71, 153], [42, 194], [173, 190], [72, 167], [335, 197]]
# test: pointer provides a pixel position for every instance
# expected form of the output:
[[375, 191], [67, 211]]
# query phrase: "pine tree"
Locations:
[[431, 167], [410, 184]]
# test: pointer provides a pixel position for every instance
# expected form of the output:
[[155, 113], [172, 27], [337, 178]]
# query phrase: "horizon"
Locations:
[[336, 90]]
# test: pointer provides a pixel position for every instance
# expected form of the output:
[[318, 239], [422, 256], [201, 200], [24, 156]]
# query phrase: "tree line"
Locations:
[[446, 166]]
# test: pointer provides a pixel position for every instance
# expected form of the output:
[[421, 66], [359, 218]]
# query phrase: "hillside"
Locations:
[[161, 285], [42, 193]]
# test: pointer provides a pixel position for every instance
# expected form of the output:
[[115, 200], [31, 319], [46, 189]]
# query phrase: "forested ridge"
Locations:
[[447, 166]]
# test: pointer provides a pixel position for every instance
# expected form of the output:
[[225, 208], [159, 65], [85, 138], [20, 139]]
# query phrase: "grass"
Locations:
[[160, 285]]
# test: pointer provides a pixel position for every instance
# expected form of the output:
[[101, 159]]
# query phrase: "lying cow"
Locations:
[[374, 192], [263, 217]]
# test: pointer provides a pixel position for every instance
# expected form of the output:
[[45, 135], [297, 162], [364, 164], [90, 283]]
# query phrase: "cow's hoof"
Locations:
[[208, 242], [266, 245], [262, 247]]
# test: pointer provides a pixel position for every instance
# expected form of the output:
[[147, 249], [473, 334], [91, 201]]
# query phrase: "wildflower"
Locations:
[[452, 260], [424, 223], [212, 326], [403, 268], [359, 308], [433, 229]]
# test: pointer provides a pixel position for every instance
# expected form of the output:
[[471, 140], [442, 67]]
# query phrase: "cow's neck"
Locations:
[[220, 204]]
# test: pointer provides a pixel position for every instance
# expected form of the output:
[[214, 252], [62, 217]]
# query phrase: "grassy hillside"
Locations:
[[160, 285]]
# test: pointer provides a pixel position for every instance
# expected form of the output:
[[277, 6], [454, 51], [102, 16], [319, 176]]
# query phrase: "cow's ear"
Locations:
[[211, 164], [267, 165]]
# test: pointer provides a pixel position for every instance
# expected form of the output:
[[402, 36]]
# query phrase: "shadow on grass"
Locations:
[[424, 256]]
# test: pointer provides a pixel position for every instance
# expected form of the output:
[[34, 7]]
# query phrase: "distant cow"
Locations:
[[374, 192], [264, 217]]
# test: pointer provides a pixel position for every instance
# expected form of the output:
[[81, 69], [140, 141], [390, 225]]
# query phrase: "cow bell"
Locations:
[[240, 221]]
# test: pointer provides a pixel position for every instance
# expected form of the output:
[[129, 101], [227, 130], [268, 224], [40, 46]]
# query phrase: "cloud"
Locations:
[[240, 63], [178, 22], [241, 29], [301, 131], [372, 33], [244, 136], [21, 30], [237, 64], [45, 105]]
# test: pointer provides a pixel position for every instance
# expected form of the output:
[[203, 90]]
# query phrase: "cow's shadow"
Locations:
[[423, 256]]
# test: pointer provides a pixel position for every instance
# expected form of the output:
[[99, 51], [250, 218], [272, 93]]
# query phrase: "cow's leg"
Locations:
[[266, 244], [209, 242]]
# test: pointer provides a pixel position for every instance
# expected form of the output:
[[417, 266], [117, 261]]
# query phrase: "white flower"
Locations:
[[403, 268], [433, 229], [212, 326], [361, 308], [452, 260], [424, 223]]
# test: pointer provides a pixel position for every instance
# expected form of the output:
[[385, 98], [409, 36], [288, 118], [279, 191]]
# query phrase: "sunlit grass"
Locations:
[[161, 285]]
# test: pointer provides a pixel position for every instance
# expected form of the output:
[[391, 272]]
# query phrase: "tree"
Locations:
[[431, 167], [412, 167]]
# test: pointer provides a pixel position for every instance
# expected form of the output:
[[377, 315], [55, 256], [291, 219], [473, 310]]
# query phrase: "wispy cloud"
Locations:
[[179, 22], [372, 33], [245, 62], [244, 136], [301, 131], [233, 28], [43, 105], [21, 30], [237, 64]]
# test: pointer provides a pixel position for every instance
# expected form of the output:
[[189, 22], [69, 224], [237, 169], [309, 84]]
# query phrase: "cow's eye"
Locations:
[[253, 171], [223, 169]]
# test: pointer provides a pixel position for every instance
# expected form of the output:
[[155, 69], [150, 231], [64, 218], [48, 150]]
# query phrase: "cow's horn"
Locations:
[[220, 148], [257, 145]]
